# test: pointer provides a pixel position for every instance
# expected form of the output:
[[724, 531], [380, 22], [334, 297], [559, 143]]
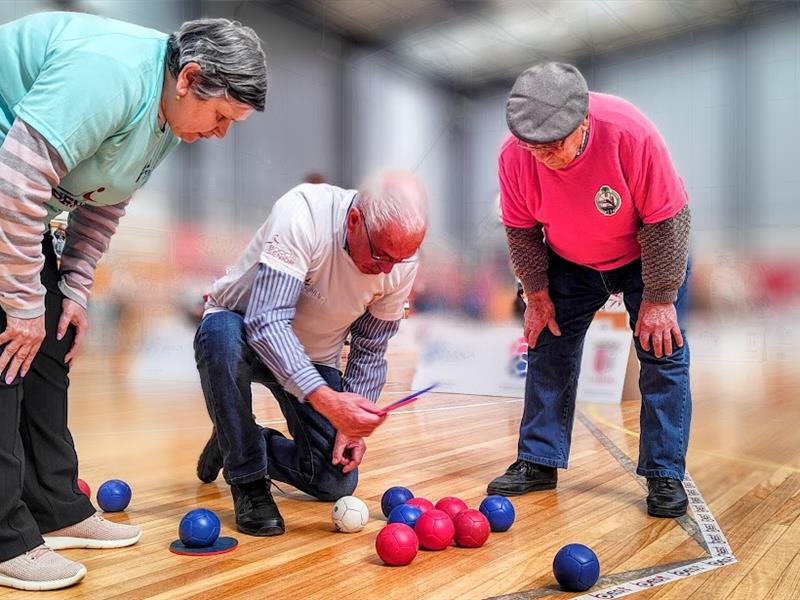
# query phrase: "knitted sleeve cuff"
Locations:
[[665, 253], [528, 256]]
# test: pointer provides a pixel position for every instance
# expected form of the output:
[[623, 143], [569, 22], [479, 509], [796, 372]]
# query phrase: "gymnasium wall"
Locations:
[[397, 118], [236, 180]]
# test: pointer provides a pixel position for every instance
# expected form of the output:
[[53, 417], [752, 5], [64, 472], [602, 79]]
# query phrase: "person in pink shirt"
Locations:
[[592, 206]]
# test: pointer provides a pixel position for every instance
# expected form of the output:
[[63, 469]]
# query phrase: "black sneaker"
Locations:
[[210, 462], [666, 498], [256, 511], [523, 477]]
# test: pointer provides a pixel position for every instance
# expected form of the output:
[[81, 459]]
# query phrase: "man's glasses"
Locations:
[[384, 259]]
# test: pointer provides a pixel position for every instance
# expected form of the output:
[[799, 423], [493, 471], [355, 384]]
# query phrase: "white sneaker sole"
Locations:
[[42, 586], [64, 543]]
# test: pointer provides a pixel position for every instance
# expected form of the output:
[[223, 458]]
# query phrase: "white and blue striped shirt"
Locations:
[[301, 295]]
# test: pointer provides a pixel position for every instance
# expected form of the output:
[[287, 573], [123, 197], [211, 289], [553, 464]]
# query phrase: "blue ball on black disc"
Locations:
[[499, 511], [199, 528], [576, 568], [406, 514], [114, 495], [394, 496]]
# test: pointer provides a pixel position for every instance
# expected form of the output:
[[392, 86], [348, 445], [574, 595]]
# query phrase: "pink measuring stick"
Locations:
[[407, 400]]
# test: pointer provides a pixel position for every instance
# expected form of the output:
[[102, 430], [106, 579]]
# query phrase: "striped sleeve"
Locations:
[[268, 326], [88, 236], [366, 364], [29, 169]]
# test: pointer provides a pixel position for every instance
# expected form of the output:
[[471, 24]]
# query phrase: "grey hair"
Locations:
[[230, 55], [393, 197]]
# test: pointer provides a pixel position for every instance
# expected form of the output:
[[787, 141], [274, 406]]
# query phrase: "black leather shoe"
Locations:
[[210, 462], [666, 498], [256, 511], [523, 477]]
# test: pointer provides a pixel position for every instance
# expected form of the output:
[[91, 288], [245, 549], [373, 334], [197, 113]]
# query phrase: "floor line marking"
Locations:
[[704, 526]]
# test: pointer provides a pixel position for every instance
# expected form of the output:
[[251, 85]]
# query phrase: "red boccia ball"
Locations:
[[451, 505], [84, 487], [472, 528], [435, 530], [397, 544], [421, 503]]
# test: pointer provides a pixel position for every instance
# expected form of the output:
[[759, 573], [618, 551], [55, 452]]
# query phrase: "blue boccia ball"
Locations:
[[394, 496], [576, 568], [406, 514], [499, 511], [114, 495], [199, 528]]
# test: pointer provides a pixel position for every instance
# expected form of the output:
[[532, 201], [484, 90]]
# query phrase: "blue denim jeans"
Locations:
[[228, 367], [554, 365]]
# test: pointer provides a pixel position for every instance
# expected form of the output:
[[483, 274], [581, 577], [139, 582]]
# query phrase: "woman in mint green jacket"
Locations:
[[89, 106]]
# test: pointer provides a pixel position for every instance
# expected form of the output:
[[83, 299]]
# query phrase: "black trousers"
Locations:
[[38, 465]]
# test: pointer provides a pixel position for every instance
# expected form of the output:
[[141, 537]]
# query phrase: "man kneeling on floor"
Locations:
[[328, 262]]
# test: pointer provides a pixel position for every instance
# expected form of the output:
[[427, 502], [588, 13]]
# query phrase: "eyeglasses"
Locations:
[[384, 259], [548, 147]]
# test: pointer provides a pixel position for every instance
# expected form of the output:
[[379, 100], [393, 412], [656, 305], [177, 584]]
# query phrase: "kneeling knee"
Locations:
[[337, 486]]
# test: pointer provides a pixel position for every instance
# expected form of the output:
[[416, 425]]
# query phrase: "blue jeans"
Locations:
[[554, 365], [227, 367]]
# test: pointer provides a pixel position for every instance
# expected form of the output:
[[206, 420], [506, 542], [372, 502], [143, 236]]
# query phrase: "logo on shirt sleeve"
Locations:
[[276, 249], [70, 201], [309, 289], [607, 201]]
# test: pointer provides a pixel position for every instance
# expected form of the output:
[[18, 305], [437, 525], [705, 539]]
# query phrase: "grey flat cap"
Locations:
[[547, 103]]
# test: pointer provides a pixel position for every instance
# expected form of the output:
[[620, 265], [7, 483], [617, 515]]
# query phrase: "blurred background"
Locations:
[[356, 85]]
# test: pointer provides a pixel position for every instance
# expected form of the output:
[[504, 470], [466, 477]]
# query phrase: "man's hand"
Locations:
[[351, 414], [72, 313], [22, 338], [348, 451], [539, 313], [658, 322]]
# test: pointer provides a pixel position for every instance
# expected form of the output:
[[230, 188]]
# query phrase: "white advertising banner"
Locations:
[[485, 359]]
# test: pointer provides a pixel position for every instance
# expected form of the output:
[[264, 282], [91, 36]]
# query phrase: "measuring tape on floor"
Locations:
[[720, 551]]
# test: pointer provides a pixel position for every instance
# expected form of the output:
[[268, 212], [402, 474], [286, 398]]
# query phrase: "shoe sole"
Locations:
[[64, 542], [263, 532], [42, 586], [666, 513], [536, 488]]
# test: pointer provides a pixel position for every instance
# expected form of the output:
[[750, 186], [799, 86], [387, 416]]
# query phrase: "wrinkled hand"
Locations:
[[539, 313], [348, 451], [351, 414], [659, 323], [72, 313], [22, 338]]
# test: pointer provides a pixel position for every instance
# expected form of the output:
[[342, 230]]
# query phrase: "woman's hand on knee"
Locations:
[[72, 313], [22, 339]]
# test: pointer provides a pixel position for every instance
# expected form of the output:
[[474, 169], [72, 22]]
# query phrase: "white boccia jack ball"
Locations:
[[349, 514]]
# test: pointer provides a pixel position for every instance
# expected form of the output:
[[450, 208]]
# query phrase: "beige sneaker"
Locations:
[[40, 569], [94, 532]]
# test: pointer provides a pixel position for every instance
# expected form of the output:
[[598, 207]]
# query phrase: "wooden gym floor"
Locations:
[[744, 457]]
